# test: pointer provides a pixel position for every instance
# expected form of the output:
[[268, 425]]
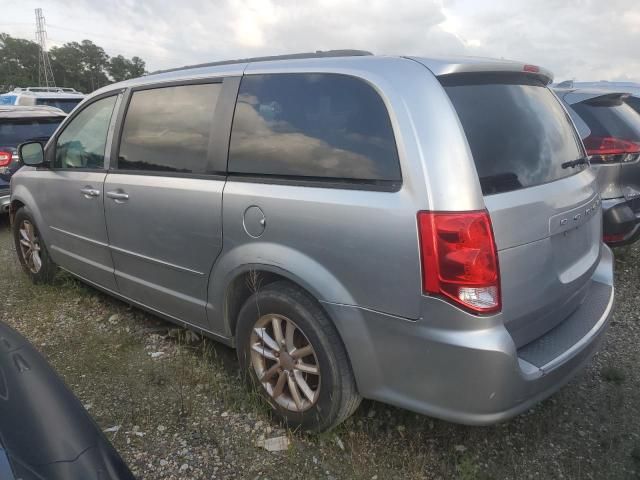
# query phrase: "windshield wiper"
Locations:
[[575, 163]]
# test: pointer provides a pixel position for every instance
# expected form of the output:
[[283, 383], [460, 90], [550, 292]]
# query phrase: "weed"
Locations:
[[613, 375], [466, 468]]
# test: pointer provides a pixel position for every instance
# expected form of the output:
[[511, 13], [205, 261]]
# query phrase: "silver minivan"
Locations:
[[422, 232]]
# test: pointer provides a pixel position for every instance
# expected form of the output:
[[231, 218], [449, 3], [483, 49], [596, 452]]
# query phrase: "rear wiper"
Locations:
[[575, 163]]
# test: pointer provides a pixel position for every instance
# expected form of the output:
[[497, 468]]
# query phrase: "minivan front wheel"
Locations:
[[32, 253], [292, 355]]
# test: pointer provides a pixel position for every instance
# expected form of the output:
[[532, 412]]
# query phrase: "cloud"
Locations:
[[582, 39]]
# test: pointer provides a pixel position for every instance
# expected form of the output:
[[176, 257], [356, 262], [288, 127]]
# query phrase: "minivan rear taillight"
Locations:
[[611, 150], [459, 259], [5, 158]]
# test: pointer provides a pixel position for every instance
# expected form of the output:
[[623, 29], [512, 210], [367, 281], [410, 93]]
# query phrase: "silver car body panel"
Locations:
[[164, 239], [357, 251]]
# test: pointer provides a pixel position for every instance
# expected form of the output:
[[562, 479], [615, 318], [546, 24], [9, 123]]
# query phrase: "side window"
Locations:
[[82, 142], [312, 125], [167, 129]]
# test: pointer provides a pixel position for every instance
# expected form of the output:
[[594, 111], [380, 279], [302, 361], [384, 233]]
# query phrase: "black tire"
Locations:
[[337, 396], [47, 270]]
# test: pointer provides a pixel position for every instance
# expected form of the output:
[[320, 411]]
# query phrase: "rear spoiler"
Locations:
[[449, 66], [599, 97]]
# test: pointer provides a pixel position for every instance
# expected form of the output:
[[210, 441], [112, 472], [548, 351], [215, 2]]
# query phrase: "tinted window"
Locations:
[[65, 104], [518, 132], [312, 125], [167, 129], [610, 119], [81, 144], [16, 131]]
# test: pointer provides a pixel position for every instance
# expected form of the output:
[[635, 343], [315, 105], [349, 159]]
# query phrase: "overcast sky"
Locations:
[[579, 39]]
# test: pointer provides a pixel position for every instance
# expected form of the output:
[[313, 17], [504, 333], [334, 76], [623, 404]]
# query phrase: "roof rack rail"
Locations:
[[290, 56], [46, 89]]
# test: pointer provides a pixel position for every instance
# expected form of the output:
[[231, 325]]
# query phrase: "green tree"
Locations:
[[67, 66], [95, 62], [118, 68], [83, 65], [19, 62], [138, 67], [121, 68]]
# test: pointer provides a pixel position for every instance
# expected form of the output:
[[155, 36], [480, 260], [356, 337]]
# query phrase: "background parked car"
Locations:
[[19, 124], [632, 88], [634, 102], [611, 133], [63, 98]]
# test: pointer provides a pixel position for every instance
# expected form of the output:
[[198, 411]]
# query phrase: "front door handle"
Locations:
[[118, 195], [90, 192]]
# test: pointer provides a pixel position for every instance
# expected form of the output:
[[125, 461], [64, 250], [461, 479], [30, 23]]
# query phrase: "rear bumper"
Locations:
[[442, 367], [5, 201], [621, 223]]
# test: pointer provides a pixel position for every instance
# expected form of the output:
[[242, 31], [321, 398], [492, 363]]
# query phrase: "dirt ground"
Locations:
[[175, 408]]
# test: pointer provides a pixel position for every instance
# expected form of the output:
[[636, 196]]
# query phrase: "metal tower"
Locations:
[[45, 73]]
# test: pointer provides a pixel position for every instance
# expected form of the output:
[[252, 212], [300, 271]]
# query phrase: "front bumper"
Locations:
[[621, 221], [439, 367]]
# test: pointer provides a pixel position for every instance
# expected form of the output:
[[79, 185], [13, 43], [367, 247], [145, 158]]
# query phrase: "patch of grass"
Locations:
[[613, 374], [466, 468]]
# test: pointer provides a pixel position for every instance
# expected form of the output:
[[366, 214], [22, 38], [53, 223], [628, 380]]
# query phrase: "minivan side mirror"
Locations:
[[31, 153]]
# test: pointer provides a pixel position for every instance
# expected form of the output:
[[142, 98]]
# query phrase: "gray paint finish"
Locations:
[[177, 243], [164, 239], [72, 223]]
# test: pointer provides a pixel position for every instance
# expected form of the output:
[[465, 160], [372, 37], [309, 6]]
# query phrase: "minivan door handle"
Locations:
[[90, 192], [118, 195]]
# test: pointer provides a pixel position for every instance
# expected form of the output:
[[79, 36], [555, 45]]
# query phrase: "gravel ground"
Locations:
[[174, 406]]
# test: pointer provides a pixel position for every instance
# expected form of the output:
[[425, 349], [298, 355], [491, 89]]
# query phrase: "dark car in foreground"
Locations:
[[45, 432], [610, 129], [19, 124]]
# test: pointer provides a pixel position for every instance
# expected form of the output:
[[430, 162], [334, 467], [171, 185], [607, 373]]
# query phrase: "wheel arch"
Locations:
[[273, 261], [246, 279], [21, 197]]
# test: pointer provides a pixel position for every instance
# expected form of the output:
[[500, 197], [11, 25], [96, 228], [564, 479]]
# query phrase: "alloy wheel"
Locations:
[[285, 362], [30, 246]]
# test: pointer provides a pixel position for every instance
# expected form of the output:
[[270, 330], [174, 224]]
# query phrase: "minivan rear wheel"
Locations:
[[31, 250], [293, 356]]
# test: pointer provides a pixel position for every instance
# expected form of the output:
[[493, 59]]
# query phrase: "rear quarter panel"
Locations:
[[349, 246]]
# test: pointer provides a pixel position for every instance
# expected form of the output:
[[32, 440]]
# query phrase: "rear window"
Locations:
[[65, 104], [519, 134], [16, 131], [320, 126], [610, 118]]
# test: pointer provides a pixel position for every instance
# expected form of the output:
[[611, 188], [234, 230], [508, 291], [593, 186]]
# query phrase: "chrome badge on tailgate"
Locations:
[[570, 219]]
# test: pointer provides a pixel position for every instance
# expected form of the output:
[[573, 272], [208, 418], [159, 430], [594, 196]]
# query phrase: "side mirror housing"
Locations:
[[31, 153]]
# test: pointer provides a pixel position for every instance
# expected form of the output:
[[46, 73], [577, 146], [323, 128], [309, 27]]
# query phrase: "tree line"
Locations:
[[81, 65]]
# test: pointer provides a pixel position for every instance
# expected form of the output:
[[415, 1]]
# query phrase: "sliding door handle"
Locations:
[[118, 195]]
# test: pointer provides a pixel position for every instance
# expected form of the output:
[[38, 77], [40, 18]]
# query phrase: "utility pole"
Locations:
[[45, 73]]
